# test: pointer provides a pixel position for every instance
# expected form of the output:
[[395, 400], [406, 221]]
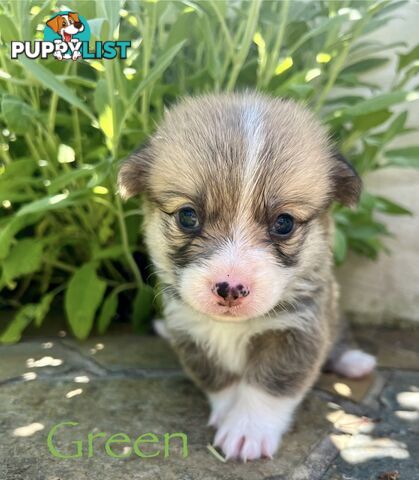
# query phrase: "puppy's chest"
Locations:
[[227, 344]]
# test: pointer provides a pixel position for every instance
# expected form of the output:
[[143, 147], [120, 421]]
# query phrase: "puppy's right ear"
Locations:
[[54, 23], [133, 173]]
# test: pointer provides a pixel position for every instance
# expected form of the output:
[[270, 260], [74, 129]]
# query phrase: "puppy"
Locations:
[[237, 190], [66, 25]]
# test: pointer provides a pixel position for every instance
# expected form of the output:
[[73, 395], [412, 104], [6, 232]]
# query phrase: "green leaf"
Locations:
[[115, 251], [99, 28], [19, 116], [365, 65], [340, 246], [375, 104], [49, 80], [33, 312], [366, 122], [69, 177], [8, 29], [181, 28], [162, 63], [328, 24], [395, 128], [107, 312], [391, 208], [142, 308], [22, 319], [392, 5], [18, 168], [403, 157], [407, 58], [110, 11], [8, 233], [62, 200], [24, 257], [345, 100], [43, 309], [82, 298]]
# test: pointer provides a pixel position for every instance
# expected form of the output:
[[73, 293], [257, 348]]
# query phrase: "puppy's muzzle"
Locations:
[[230, 295]]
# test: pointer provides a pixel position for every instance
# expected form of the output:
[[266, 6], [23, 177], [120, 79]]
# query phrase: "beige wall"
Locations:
[[387, 291]]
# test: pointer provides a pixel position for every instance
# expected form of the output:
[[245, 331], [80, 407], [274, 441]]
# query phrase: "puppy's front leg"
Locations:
[[221, 403], [281, 368], [219, 384]]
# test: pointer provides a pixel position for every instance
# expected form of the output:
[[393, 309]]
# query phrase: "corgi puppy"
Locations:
[[237, 190]]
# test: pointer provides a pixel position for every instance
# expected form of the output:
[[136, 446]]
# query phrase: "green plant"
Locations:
[[64, 233]]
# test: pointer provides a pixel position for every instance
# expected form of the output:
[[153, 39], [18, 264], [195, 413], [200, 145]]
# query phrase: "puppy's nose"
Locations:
[[78, 24], [230, 295]]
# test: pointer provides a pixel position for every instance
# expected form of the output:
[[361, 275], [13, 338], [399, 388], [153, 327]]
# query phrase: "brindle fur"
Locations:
[[198, 156]]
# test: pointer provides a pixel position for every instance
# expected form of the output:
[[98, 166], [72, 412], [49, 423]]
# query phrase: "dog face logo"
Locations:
[[66, 25], [69, 28]]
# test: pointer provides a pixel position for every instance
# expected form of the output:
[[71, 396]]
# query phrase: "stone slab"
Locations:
[[128, 351], [390, 443], [353, 389], [43, 356], [133, 406]]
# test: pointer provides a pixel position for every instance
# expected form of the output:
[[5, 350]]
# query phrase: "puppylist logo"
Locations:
[[66, 37]]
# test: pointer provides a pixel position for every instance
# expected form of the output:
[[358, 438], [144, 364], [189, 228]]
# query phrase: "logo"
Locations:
[[66, 37]]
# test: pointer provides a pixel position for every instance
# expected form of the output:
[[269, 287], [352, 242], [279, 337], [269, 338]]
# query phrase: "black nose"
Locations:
[[77, 24], [228, 292]]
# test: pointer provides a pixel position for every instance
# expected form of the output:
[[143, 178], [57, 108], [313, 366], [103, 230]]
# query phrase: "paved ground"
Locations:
[[122, 383]]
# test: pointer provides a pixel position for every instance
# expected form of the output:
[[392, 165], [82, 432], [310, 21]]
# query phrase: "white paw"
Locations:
[[247, 437], [252, 422], [354, 364], [58, 55], [76, 55]]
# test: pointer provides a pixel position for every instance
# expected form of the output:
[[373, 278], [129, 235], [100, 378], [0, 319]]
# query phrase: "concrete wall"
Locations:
[[387, 291]]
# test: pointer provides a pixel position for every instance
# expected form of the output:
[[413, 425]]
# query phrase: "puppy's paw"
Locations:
[[253, 425], [58, 55], [76, 55], [247, 437], [354, 364]]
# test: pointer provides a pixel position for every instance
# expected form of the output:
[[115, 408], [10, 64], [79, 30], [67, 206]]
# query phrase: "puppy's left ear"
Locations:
[[347, 183], [132, 175]]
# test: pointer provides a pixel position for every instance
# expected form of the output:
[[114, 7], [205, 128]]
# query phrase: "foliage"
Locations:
[[65, 236]]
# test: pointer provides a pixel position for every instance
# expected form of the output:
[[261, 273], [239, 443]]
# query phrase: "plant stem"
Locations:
[[339, 63], [125, 245], [278, 43], [239, 60]]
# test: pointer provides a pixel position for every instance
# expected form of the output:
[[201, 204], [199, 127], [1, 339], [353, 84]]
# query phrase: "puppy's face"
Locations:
[[237, 189]]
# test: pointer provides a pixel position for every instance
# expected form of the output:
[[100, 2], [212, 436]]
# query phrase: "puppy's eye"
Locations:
[[283, 225], [187, 219]]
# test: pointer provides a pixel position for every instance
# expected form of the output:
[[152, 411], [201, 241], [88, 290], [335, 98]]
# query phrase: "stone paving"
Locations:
[[120, 383]]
